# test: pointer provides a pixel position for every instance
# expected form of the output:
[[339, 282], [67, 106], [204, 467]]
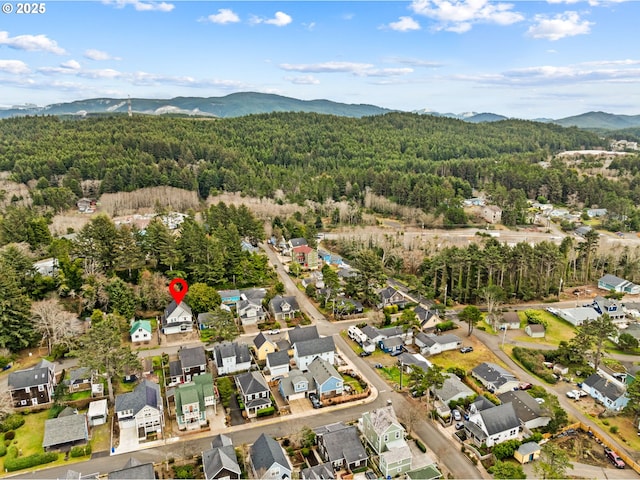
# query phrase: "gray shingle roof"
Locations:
[[301, 334], [322, 370], [344, 443], [277, 302], [528, 448], [315, 346], [493, 373], [239, 351], [606, 388], [252, 382], [297, 242], [134, 470], [452, 387], [221, 456], [525, 406], [175, 368], [500, 419], [145, 393], [324, 471], [260, 340], [265, 452], [192, 357], [371, 332], [276, 359], [78, 375], [31, 377], [72, 428]]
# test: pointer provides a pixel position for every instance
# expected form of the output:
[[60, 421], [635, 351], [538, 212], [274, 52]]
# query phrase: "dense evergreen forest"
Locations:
[[415, 160]]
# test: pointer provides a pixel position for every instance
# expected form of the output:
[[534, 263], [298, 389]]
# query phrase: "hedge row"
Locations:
[[80, 451], [12, 462], [265, 412], [3, 449], [421, 446], [12, 422], [533, 360]]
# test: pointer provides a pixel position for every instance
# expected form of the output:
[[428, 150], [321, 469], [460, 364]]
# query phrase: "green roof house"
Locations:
[[192, 400], [140, 331]]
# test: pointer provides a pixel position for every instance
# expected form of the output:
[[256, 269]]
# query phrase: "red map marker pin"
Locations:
[[178, 295]]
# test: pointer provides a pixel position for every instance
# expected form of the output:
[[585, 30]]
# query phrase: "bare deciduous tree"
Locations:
[[52, 322], [6, 404]]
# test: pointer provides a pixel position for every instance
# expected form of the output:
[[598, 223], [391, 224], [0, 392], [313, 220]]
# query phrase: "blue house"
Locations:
[[330, 258], [391, 345], [328, 381], [611, 394], [229, 297]]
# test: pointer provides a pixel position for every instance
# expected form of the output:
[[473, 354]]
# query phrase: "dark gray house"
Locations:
[[134, 470], [268, 460], [191, 361], [220, 462], [33, 386], [340, 445], [62, 433]]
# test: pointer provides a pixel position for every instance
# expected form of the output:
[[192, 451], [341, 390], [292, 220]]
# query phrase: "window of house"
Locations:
[[386, 437], [27, 389], [23, 402]]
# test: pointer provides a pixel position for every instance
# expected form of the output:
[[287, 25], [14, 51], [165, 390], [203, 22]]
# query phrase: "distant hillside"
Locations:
[[600, 120], [233, 105]]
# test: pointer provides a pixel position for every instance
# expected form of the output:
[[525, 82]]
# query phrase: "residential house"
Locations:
[[297, 242], [177, 318], [617, 284], [98, 412], [328, 382], [140, 331], [527, 452], [391, 344], [133, 470], [251, 312], [296, 385], [86, 205], [305, 256], [386, 437], [306, 351], [491, 214], [430, 344], [389, 296], [229, 297], [65, 432], [527, 409], [80, 379], [576, 316], [220, 461], [495, 378], [510, 320], [583, 230], [535, 330], [340, 445], [192, 400], [329, 258], [268, 460], [141, 408], [560, 369], [611, 307], [373, 334], [611, 393], [408, 361], [173, 220], [347, 306], [263, 346], [427, 317], [453, 389], [493, 425], [596, 212], [255, 392], [284, 308], [232, 357], [300, 334], [278, 363], [47, 267], [323, 471], [191, 361], [33, 386]]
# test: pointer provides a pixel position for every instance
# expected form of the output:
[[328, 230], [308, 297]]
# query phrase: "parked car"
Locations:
[[397, 352], [315, 401], [525, 386], [459, 426], [275, 331], [456, 415], [576, 394], [364, 353], [614, 458], [466, 349], [540, 400]]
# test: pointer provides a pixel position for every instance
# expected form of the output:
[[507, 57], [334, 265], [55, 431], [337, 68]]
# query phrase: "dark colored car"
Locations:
[[364, 353], [397, 352], [466, 349]]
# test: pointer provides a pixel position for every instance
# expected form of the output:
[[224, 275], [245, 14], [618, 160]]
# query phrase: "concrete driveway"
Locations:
[[128, 438]]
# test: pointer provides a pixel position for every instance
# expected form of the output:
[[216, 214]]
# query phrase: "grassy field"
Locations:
[[29, 436], [101, 438], [466, 361], [557, 330], [352, 382]]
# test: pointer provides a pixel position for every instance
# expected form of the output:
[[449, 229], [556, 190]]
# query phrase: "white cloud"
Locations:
[[358, 69], [280, 19], [414, 62], [99, 55], [404, 24], [567, 24], [31, 43], [71, 65], [304, 80], [460, 15], [224, 16], [142, 6], [15, 67]]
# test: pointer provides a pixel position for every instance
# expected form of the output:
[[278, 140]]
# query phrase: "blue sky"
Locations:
[[526, 59]]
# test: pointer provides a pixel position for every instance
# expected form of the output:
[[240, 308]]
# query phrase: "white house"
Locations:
[[495, 378], [232, 357], [142, 408], [98, 412], [304, 352], [492, 425], [278, 363], [140, 331], [434, 344], [177, 318], [608, 391]]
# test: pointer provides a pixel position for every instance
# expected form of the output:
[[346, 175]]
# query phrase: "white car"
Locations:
[[573, 394]]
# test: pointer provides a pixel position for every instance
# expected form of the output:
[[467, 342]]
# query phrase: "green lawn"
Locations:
[[29, 436], [81, 395], [391, 374], [352, 382], [557, 330], [100, 438]]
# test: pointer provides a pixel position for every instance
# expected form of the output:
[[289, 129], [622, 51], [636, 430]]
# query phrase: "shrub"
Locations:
[[12, 422], [444, 326], [12, 462], [305, 451], [3, 449], [614, 429], [10, 435], [421, 446], [80, 451], [533, 360], [225, 387], [264, 412], [184, 471]]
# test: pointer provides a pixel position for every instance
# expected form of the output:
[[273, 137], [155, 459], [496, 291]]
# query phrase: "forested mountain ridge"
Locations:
[[422, 161]]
